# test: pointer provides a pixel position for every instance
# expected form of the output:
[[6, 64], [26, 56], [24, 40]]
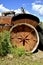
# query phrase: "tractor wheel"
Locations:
[[25, 35]]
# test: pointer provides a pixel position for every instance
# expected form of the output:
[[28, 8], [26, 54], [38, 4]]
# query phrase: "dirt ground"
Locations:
[[34, 59], [38, 54]]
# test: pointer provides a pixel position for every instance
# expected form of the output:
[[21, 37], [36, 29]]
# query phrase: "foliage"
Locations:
[[28, 53], [18, 51], [4, 42], [6, 47]]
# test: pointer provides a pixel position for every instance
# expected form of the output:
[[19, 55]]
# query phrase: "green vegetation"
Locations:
[[6, 47], [17, 51], [18, 54], [4, 42]]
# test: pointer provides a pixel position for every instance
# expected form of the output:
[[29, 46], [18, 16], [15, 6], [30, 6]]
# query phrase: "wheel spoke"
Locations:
[[34, 40], [12, 38], [26, 36], [27, 39], [21, 41], [26, 42], [32, 31], [19, 38]]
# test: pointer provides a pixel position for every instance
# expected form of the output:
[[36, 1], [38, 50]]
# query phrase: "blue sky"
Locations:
[[34, 7]]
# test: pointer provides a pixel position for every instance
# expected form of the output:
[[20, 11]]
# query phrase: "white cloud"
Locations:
[[27, 12], [38, 8], [2, 8], [18, 11]]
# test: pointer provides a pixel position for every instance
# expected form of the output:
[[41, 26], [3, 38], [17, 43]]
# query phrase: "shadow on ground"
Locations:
[[40, 47]]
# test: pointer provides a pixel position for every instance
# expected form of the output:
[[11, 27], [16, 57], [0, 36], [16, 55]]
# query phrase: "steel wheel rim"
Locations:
[[34, 30]]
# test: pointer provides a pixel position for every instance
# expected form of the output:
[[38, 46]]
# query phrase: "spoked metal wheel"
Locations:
[[26, 35]]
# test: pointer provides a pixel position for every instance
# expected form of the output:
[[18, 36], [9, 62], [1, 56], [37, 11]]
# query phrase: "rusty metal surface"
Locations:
[[21, 35], [5, 19], [29, 21], [10, 20], [24, 36]]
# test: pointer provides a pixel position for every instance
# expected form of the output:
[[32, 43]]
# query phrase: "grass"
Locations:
[[23, 60]]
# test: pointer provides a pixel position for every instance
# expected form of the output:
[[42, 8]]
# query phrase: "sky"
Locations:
[[34, 7]]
